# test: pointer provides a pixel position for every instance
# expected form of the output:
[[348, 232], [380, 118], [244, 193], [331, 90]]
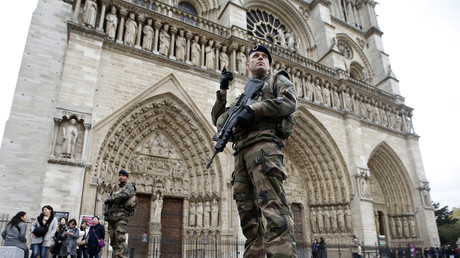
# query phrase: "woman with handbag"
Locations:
[[58, 238], [15, 232], [81, 241], [43, 230], [96, 236]]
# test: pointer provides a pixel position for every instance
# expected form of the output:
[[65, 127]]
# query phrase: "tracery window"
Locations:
[[345, 49], [188, 8], [266, 26]]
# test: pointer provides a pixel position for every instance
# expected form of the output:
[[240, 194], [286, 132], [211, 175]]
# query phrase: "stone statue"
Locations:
[[196, 52], [241, 61], [214, 213], [333, 213], [327, 95], [131, 30], [406, 230], [412, 228], [309, 88], [318, 97], [165, 40], [210, 56], [336, 99], [199, 215], [314, 221], [90, 13], [290, 40], [147, 41], [348, 220], [181, 44], [341, 220], [320, 222], [207, 215], [223, 57], [399, 227], [192, 216], [298, 84], [70, 136], [281, 37], [157, 207], [393, 228], [111, 23], [327, 220]]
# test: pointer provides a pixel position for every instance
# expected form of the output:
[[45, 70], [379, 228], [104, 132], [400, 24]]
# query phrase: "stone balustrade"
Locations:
[[164, 30]]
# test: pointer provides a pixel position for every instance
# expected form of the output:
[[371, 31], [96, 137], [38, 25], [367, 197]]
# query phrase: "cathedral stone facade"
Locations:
[[129, 84]]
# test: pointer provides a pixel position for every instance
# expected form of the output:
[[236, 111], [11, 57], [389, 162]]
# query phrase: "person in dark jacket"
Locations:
[[322, 253], [96, 231], [314, 248], [59, 237], [15, 232], [69, 242]]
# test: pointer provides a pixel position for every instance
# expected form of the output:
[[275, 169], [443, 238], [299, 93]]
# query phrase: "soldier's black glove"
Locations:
[[246, 116], [108, 201], [225, 79]]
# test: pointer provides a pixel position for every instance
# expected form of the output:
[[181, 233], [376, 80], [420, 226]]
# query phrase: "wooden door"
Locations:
[[138, 227], [171, 227]]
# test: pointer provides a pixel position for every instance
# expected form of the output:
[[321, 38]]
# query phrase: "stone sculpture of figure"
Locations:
[[384, 116], [297, 45], [111, 23], [298, 84], [399, 227], [318, 97], [340, 220], [181, 44], [393, 228], [210, 56], [348, 221], [378, 118], [90, 13], [223, 58], [214, 213], [147, 41], [327, 95], [131, 30], [192, 214], [241, 61], [165, 40], [333, 220], [196, 52], [199, 215], [336, 99], [281, 37], [327, 220], [70, 136], [320, 221], [406, 230], [364, 186], [290, 40], [207, 215], [157, 206], [314, 221], [412, 228]]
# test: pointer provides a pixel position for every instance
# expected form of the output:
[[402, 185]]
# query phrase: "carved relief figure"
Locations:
[[181, 43], [348, 220], [341, 220], [199, 215], [70, 135], [327, 220], [318, 97], [196, 52], [147, 41], [131, 30], [412, 228], [223, 57], [399, 227], [241, 61], [111, 23], [192, 216], [320, 221], [165, 40], [207, 215], [333, 213], [298, 84], [309, 88], [210, 56], [90, 13], [157, 207], [393, 227], [314, 221], [281, 37], [214, 213], [327, 95], [406, 228], [290, 40], [336, 99]]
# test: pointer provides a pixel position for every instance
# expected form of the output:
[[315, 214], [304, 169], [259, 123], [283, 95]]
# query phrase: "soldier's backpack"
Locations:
[[286, 124]]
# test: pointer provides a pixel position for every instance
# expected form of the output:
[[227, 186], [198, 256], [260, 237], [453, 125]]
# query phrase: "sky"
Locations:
[[422, 39]]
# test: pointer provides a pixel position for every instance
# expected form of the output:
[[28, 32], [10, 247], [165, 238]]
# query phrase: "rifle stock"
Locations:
[[222, 136]]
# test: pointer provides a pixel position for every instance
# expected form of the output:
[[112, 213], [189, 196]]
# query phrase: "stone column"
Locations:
[[203, 51], [121, 26], [188, 36], [216, 64], [76, 11], [157, 26], [85, 140], [233, 58], [57, 122], [172, 44], [140, 21], [101, 20]]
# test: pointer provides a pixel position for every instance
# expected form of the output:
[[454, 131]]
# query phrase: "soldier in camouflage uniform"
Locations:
[[259, 169], [120, 209]]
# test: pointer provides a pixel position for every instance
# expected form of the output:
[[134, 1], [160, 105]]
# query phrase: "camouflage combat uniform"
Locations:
[[118, 219], [259, 171]]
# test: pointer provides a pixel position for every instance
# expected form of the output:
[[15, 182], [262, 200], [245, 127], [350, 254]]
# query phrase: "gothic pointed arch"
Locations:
[[355, 58], [289, 21], [318, 176], [392, 193]]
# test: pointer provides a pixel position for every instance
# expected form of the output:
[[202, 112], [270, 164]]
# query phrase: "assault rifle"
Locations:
[[252, 87], [107, 208]]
